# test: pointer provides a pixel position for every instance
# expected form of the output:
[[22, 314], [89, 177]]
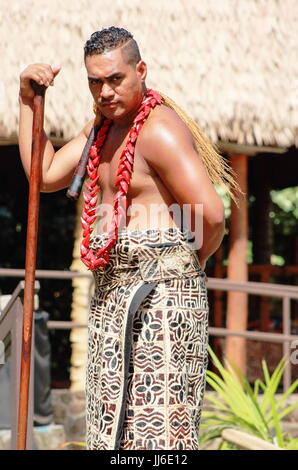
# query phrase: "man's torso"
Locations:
[[149, 200]]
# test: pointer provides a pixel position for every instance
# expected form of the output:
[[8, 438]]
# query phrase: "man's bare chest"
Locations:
[[111, 153]]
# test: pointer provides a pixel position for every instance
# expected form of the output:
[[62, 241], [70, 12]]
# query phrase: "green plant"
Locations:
[[72, 445], [254, 410]]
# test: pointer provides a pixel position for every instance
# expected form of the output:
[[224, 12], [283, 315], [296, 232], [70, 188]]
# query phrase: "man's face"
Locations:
[[116, 86]]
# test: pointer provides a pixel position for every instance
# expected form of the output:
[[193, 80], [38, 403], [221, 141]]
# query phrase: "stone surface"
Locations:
[[4, 439], [69, 409], [49, 437], [291, 428]]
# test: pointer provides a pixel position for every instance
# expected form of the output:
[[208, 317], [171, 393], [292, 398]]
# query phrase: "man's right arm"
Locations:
[[57, 167]]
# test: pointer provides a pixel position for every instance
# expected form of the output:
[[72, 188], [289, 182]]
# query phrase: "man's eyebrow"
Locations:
[[94, 79], [116, 74]]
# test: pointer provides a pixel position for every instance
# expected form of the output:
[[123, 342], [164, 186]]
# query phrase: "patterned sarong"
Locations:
[[147, 344]]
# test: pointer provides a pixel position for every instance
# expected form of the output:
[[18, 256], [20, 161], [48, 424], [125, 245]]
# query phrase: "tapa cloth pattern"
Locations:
[[147, 343]]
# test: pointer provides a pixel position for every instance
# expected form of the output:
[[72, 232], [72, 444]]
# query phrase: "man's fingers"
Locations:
[[56, 69], [47, 74], [42, 74]]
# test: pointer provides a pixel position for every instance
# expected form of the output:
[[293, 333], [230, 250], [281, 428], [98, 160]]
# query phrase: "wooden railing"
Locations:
[[283, 291], [11, 324]]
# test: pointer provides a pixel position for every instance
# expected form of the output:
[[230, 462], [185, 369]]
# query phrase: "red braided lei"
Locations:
[[101, 257]]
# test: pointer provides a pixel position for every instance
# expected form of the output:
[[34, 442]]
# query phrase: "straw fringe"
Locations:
[[217, 168]]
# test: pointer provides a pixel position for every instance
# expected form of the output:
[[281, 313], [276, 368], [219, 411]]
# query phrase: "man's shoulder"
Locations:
[[163, 115], [167, 145], [162, 124]]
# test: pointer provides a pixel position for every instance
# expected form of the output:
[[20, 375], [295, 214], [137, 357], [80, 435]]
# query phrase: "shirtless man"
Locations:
[[167, 168]]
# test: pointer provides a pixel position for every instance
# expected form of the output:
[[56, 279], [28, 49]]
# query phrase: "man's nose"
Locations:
[[106, 91]]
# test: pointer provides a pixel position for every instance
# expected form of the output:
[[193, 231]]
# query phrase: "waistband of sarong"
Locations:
[[150, 254], [142, 237]]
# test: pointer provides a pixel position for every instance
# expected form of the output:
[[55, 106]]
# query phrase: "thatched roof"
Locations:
[[232, 64]]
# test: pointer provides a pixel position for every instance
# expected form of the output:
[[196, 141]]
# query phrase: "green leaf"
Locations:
[[287, 410], [271, 382], [237, 398], [213, 433], [277, 424], [216, 402], [287, 393], [243, 407]]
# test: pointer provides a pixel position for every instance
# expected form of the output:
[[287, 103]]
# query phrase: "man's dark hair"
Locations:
[[111, 38]]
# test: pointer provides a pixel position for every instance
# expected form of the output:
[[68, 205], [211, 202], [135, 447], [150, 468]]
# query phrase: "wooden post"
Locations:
[[218, 301], [264, 303], [237, 313], [262, 234]]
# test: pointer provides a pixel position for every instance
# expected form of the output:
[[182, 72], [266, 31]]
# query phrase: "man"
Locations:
[[148, 319]]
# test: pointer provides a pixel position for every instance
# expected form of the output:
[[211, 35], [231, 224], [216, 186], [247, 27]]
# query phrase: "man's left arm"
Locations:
[[212, 242], [169, 149]]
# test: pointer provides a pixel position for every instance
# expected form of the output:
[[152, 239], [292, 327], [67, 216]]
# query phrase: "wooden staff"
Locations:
[[30, 265]]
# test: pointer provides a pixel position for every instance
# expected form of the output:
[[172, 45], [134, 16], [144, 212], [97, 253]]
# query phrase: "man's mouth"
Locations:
[[111, 104]]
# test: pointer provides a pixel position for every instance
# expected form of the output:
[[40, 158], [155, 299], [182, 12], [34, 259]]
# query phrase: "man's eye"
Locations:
[[93, 82], [115, 79]]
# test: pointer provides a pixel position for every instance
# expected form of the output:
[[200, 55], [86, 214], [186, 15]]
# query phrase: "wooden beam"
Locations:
[[14, 140], [237, 311], [250, 150]]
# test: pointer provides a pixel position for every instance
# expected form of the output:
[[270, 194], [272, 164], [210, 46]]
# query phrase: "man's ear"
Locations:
[[141, 68]]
